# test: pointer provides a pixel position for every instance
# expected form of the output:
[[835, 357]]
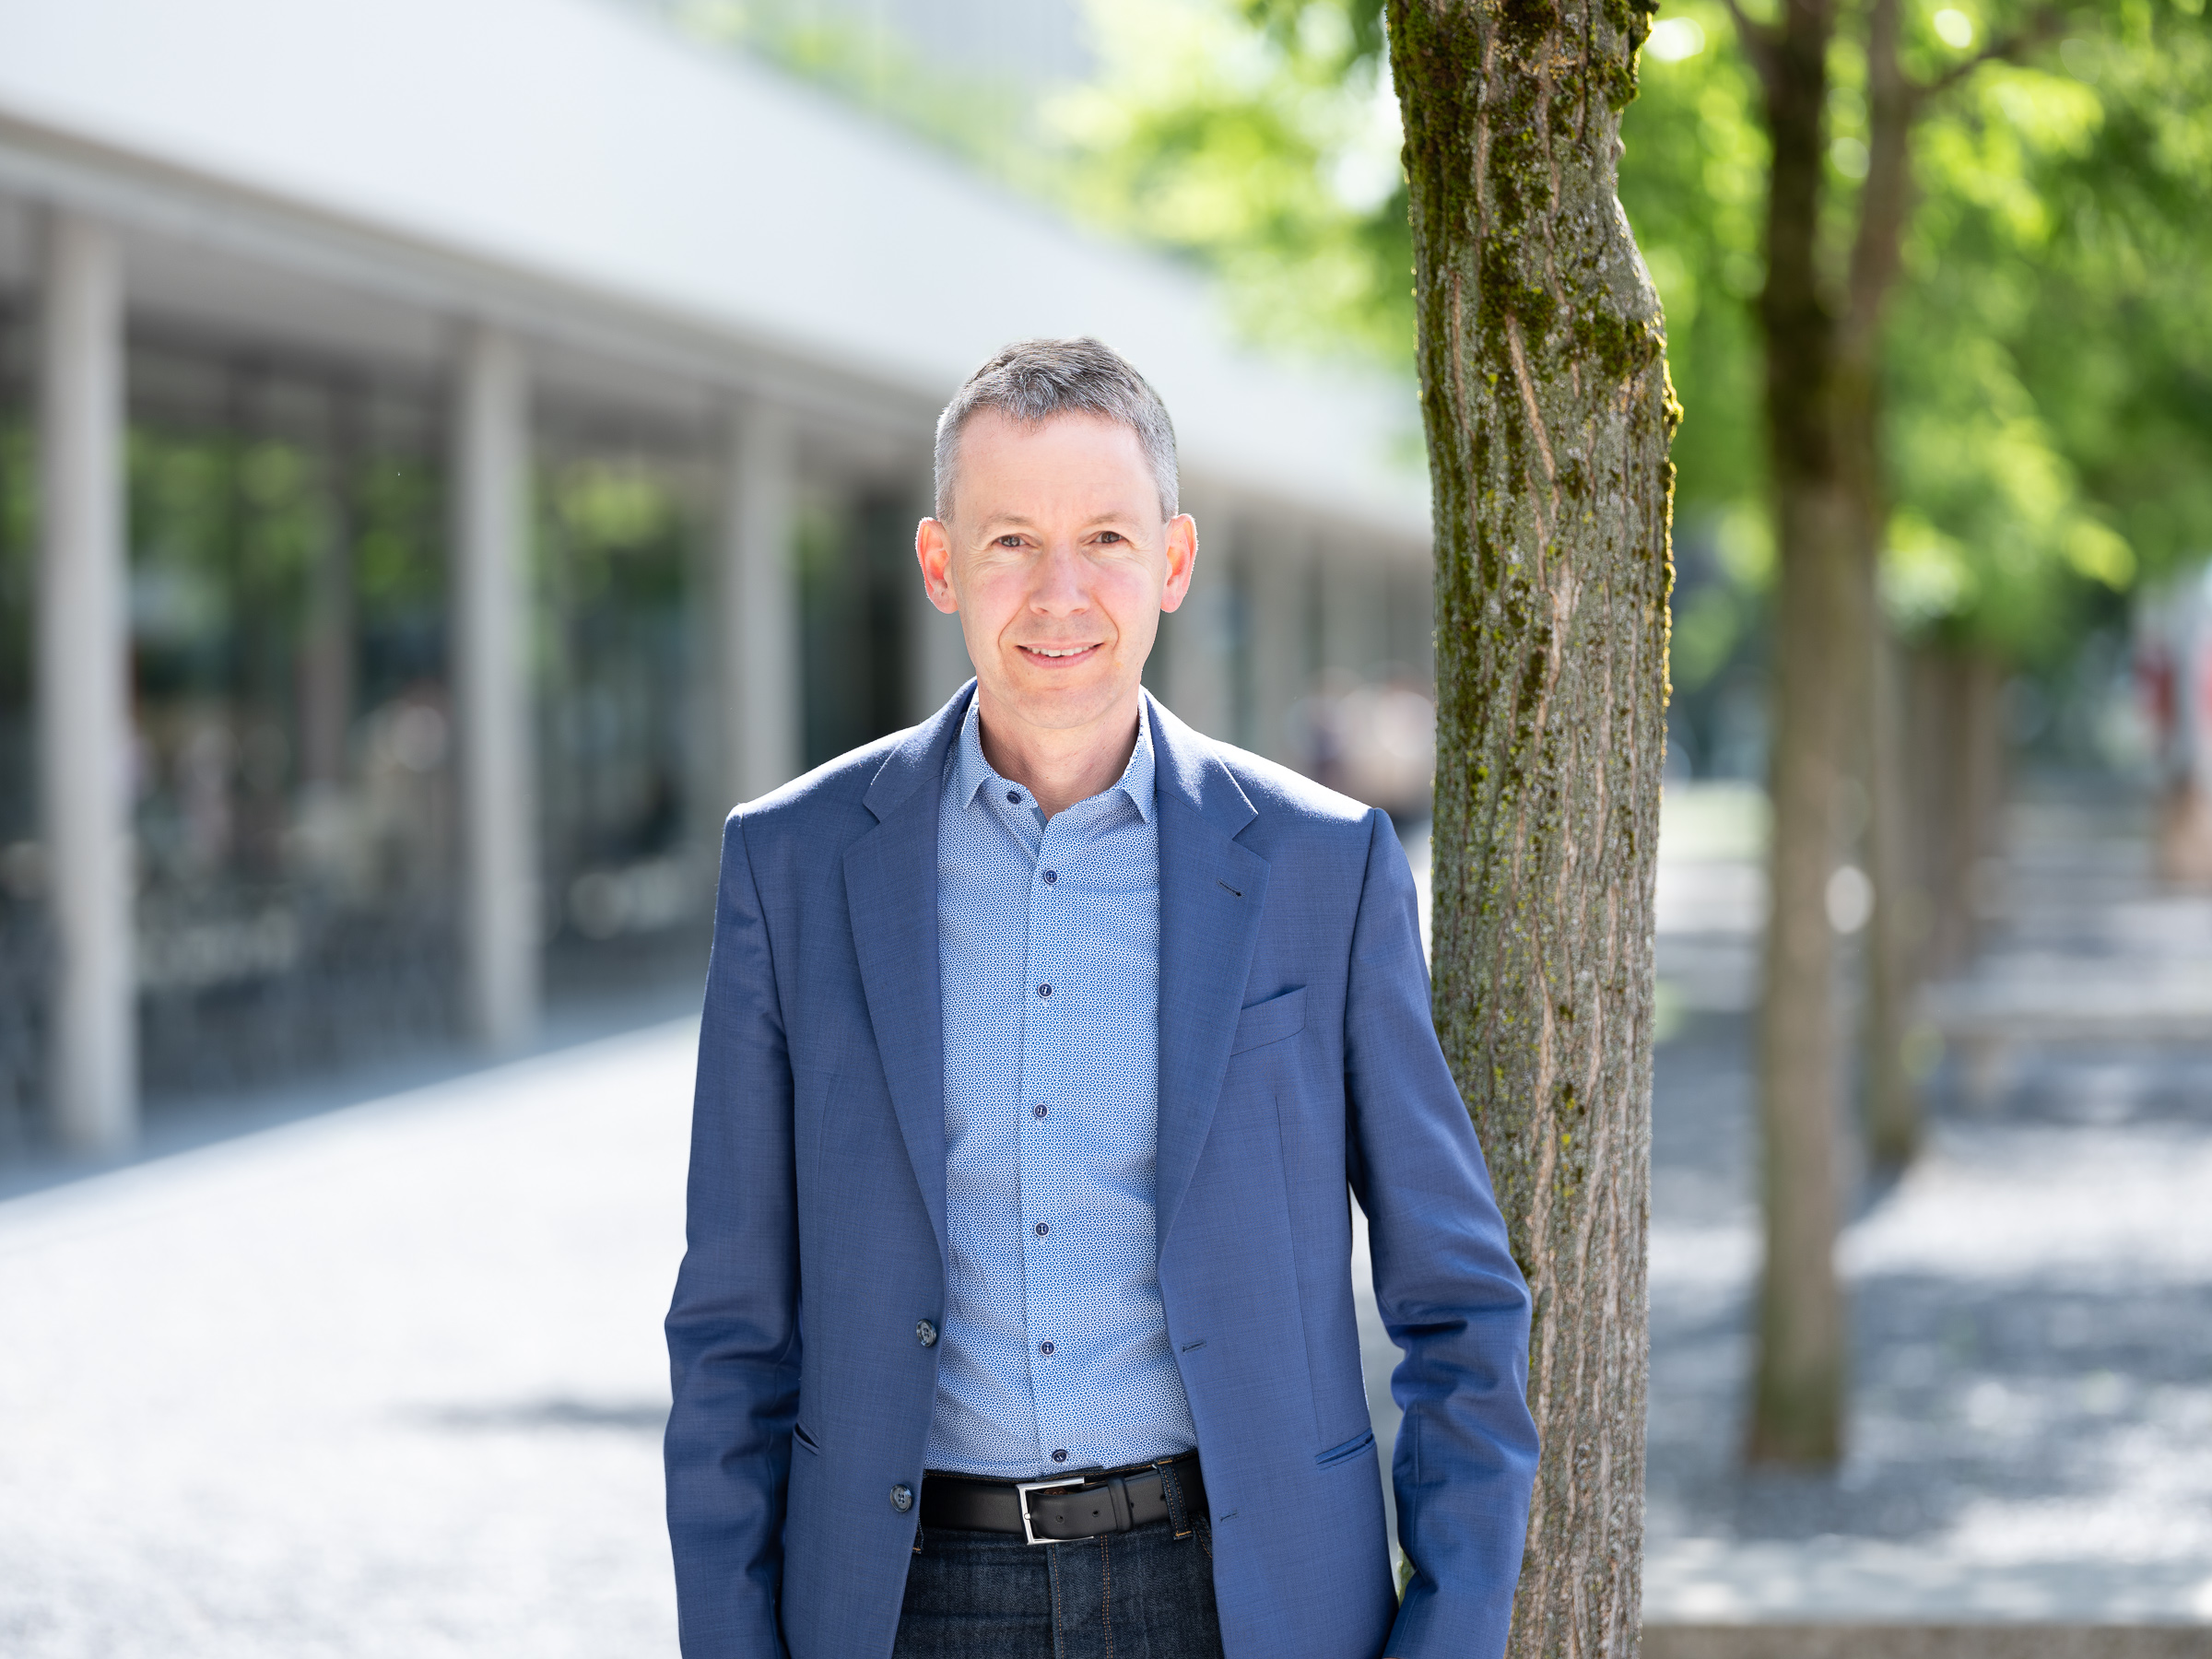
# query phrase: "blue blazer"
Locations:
[[1297, 1064]]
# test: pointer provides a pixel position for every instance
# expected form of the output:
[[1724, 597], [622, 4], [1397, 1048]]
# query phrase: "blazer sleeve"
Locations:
[[1448, 1289], [734, 1324]]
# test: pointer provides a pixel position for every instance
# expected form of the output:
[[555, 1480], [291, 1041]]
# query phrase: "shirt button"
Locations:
[[1060, 1455], [925, 1332], [902, 1498], [1051, 877], [1044, 990], [1039, 1110], [1043, 1228], [1044, 1347], [1014, 797]]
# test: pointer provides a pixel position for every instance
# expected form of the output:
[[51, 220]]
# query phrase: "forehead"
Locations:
[[1075, 462]]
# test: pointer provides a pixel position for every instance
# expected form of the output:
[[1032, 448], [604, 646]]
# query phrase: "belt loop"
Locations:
[[1170, 1488], [1117, 1497]]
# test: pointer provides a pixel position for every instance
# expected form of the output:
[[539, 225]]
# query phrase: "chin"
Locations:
[[1062, 705]]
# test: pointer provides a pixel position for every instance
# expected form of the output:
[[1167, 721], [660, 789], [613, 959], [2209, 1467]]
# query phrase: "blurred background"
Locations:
[[451, 449]]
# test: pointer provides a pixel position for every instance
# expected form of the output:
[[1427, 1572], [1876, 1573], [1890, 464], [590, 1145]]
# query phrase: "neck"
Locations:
[[1059, 767]]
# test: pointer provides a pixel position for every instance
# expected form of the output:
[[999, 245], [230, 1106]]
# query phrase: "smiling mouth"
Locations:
[[1057, 653]]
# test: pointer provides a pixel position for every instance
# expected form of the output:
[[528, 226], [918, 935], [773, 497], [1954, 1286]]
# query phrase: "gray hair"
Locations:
[[1031, 380]]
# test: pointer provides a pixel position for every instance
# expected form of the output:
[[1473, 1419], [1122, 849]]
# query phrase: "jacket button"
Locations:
[[926, 1333], [902, 1498]]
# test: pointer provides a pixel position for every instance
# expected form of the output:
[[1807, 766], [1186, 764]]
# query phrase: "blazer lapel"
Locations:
[[892, 893], [1211, 891]]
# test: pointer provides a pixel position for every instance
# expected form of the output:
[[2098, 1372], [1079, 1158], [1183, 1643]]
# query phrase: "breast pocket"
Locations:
[[1270, 1021]]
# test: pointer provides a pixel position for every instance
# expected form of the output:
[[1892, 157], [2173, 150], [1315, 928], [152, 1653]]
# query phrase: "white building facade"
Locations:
[[449, 451]]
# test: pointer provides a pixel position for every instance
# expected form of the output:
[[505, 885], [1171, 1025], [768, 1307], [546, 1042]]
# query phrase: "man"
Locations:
[[1043, 1045]]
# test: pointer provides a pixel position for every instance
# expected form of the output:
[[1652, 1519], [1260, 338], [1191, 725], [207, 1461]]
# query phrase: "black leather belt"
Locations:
[[1085, 1504]]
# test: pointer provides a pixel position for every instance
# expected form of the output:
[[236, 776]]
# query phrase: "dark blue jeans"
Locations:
[[1139, 1594]]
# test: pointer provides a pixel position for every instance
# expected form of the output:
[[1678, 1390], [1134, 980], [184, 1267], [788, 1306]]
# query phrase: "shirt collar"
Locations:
[[972, 771]]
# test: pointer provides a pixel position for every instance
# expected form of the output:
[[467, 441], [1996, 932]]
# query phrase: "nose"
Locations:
[[1062, 588]]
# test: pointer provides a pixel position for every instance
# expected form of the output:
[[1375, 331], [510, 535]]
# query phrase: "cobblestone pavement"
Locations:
[[2031, 1305], [384, 1381], [2030, 1433]]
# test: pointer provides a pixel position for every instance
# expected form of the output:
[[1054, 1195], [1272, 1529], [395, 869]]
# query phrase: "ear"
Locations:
[[933, 548], [1182, 560]]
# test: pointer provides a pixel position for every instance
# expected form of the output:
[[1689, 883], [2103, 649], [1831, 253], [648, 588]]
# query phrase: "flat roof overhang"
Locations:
[[361, 179]]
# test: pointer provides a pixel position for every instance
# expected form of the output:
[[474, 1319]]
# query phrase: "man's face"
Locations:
[[1059, 564]]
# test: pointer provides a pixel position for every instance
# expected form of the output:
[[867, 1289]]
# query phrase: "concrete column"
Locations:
[[491, 692], [83, 685], [1413, 616], [327, 661], [1355, 612], [757, 642], [1198, 641], [1279, 568]]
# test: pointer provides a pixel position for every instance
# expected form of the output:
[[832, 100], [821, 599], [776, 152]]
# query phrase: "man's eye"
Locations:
[[1110, 535], [1009, 541]]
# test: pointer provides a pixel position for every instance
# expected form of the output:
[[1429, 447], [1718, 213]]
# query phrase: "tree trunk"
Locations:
[[1936, 750], [1797, 1401], [1890, 1102], [1892, 1091], [1797, 1392], [1549, 415], [1823, 430], [1956, 752], [1974, 809]]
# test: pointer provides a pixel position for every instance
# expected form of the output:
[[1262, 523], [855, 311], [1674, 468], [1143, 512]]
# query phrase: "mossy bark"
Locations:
[[1545, 393]]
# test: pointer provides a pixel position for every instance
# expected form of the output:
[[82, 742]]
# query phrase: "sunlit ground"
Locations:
[[388, 1378], [386, 1381], [2030, 1433]]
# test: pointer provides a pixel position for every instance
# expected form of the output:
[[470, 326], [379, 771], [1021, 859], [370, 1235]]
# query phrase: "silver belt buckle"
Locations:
[[1022, 1488]]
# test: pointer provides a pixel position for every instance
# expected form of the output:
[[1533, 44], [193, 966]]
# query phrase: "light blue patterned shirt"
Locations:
[[1055, 1346]]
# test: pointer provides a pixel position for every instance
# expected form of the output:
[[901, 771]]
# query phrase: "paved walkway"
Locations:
[[2030, 1433], [2031, 1425], [386, 1381], [388, 1378]]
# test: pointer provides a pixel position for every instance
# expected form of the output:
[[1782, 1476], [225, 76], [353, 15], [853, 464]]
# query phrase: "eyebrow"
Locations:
[[1014, 520]]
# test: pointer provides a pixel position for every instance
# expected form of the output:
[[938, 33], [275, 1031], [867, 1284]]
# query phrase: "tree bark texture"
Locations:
[[1548, 412]]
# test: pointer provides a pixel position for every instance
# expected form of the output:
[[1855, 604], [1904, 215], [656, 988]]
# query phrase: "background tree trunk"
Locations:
[[1548, 414], [1890, 1101], [1958, 790], [1820, 614], [1892, 1090], [1823, 420]]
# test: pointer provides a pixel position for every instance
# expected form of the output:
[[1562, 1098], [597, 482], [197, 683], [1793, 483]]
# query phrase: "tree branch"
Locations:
[[2002, 49], [1761, 43], [1884, 197]]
